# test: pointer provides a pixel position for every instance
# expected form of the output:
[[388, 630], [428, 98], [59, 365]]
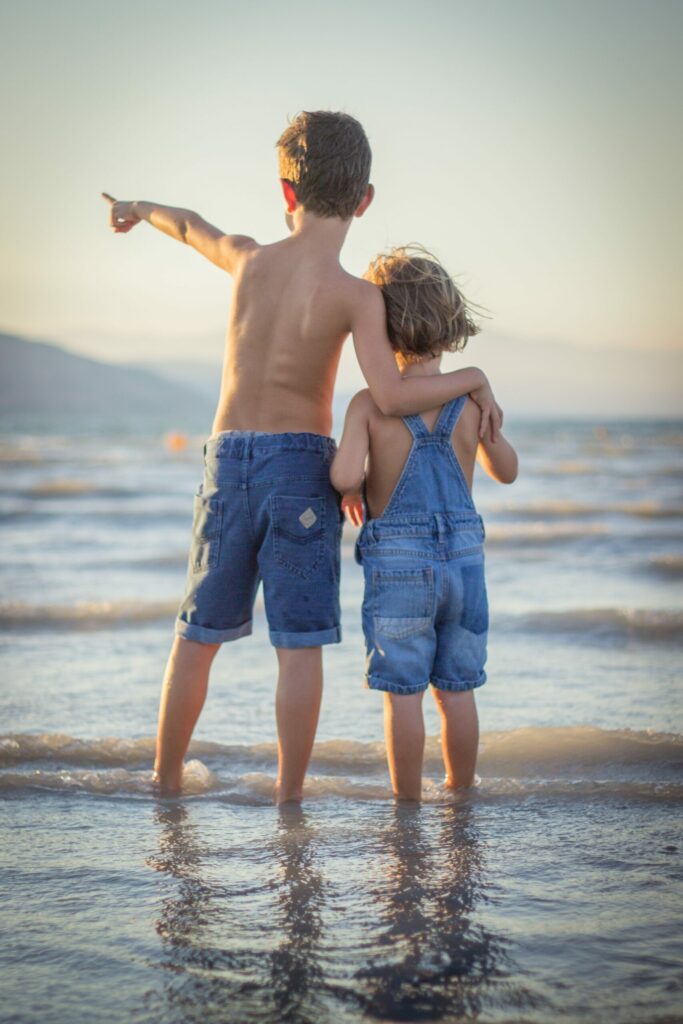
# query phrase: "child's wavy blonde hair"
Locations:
[[426, 312]]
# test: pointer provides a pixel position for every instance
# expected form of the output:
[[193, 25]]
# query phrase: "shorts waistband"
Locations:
[[239, 444]]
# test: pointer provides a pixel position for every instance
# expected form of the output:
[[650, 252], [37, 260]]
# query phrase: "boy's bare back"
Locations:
[[291, 312]]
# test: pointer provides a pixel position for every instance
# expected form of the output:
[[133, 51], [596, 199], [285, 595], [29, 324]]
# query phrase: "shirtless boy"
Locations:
[[266, 509]]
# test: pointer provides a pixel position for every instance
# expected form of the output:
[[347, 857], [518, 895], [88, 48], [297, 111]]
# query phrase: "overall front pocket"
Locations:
[[298, 533], [402, 601], [206, 533]]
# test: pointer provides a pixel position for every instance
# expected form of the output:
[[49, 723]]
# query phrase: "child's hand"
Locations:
[[121, 215], [491, 412], [352, 504]]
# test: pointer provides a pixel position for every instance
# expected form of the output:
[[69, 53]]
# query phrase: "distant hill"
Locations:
[[41, 381]]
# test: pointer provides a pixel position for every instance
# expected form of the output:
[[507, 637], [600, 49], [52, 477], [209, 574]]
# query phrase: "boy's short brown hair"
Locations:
[[326, 157], [426, 312]]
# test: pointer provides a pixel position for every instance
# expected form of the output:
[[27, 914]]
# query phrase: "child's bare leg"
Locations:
[[459, 735], [182, 698], [404, 734], [297, 706]]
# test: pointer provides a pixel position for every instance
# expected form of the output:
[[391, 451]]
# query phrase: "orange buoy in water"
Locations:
[[175, 441]]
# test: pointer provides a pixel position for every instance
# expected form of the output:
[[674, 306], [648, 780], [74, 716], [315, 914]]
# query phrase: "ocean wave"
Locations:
[[532, 752], [529, 534], [605, 623], [69, 488], [84, 614], [568, 508], [570, 467], [667, 565]]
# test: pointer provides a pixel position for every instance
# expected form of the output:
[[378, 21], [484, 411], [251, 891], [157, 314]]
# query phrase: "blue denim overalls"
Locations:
[[425, 610]]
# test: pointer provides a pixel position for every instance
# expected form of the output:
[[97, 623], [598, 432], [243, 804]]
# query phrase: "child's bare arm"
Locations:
[[499, 460], [182, 225], [400, 396], [348, 468]]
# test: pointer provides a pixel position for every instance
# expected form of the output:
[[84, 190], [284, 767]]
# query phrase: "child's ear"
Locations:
[[365, 201], [291, 202]]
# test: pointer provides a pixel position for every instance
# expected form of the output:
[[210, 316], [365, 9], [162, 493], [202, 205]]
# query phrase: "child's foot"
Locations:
[[281, 797], [164, 788]]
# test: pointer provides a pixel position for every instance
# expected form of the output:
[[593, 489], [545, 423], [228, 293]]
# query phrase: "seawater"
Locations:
[[548, 892]]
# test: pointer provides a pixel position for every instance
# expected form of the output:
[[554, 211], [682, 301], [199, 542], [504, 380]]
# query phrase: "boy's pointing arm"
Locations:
[[401, 396], [182, 225]]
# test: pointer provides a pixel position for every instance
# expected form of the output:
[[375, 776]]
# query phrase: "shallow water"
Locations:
[[550, 892]]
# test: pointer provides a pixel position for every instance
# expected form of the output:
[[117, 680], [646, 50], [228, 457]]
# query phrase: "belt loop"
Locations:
[[439, 527]]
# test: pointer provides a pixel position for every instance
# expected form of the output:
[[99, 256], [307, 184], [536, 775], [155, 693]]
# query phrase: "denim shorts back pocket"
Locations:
[[475, 613], [298, 532], [206, 533], [402, 601]]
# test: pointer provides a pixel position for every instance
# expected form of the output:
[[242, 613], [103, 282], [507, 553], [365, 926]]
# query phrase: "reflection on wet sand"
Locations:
[[432, 961], [253, 934], [235, 951]]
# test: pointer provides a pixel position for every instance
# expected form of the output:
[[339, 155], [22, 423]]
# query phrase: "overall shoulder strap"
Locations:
[[416, 426], [449, 416]]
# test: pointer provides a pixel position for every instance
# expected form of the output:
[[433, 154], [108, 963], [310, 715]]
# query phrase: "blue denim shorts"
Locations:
[[425, 609], [265, 511]]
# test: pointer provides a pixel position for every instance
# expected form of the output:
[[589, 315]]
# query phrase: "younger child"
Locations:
[[425, 611]]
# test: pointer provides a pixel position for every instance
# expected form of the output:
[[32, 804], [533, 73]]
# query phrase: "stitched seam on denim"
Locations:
[[396, 687], [212, 541]]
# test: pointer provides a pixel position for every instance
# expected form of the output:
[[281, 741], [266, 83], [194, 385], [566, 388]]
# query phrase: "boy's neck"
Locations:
[[423, 368], [325, 233]]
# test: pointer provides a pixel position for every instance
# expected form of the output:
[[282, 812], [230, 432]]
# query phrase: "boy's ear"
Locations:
[[365, 201], [291, 202]]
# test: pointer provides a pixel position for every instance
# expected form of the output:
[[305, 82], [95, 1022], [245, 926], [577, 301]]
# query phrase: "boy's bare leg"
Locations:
[[459, 736], [404, 734], [297, 706], [182, 697]]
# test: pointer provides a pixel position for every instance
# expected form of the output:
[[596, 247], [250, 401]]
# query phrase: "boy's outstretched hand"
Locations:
[[491, 412], [121, 215], [352, 504]]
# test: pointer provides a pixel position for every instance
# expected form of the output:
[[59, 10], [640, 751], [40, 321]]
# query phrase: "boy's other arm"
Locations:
[[499, 460], [182, 225], [401, 396], [348, 467]]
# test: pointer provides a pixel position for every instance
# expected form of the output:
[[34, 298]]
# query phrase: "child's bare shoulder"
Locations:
[[363, 405]]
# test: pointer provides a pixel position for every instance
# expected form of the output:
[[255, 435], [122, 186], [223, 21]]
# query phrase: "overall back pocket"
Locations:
[[298, 533], [402, 601]]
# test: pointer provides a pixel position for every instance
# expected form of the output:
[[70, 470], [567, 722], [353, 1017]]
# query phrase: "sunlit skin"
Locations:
[[293, 305], [373, 451]]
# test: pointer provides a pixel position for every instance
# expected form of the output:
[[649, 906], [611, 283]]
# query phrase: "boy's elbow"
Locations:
[[511, 472], [389, 401]]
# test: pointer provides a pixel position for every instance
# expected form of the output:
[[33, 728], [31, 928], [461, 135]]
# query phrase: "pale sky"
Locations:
[[535, 147]]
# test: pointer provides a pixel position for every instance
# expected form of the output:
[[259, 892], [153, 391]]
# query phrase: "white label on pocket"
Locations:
[[308, 517]]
